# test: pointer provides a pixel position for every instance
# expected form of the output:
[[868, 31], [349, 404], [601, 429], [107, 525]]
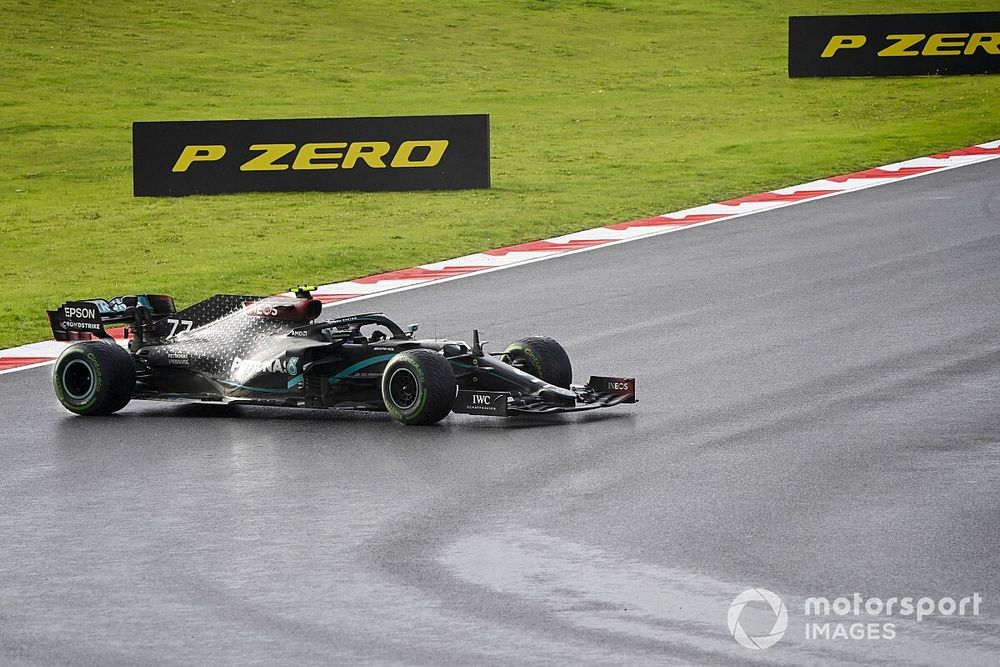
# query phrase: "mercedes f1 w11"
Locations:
[[277, 351]]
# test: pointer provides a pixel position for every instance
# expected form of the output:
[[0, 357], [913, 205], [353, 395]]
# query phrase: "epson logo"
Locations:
[[82, 313]]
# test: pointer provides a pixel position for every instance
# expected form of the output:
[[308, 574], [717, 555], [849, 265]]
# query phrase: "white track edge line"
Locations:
[[669, 229], [29, 366]]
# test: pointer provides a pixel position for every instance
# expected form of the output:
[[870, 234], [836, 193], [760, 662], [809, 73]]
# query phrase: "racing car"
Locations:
[[278, 351]]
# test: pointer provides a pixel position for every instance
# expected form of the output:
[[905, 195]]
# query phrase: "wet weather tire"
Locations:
[[542, 357], [94, 378], [418, 387]]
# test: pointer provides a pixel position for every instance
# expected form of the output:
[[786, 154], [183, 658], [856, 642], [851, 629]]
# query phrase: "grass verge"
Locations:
[[601, 112]]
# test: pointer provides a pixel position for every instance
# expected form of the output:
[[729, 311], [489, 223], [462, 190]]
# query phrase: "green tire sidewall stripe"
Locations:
[[63, 394], [416, 411]]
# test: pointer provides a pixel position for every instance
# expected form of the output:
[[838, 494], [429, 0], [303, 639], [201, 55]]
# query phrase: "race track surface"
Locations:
[[818, 416]]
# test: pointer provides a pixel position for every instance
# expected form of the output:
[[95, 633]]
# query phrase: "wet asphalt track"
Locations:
[[818, 416]]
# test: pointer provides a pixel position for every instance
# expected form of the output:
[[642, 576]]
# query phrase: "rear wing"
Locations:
[[81, 320], [151, 316]]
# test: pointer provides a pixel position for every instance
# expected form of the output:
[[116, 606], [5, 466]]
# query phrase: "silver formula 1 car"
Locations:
[[278, 351]]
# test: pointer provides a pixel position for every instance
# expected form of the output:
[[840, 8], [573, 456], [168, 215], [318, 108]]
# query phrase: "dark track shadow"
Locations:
[[148, 415]]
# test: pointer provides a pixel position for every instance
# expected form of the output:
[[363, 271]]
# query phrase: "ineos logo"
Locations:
[[263, 311]]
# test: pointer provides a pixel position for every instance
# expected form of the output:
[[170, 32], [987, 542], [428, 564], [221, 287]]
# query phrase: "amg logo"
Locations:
[[83, 313], [323, 155]]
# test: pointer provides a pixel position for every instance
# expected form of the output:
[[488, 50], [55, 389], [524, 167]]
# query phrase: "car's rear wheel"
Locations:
[[542, 357], [418, 387], [94, 378]]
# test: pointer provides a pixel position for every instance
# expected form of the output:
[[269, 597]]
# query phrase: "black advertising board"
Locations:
[[894, 44], [327, 154]]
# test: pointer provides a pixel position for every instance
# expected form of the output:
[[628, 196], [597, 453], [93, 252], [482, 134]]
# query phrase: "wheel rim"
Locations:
[[78, 379], [403, 388]]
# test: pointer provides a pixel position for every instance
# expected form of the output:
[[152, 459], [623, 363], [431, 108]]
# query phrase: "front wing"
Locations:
[[600, 392]]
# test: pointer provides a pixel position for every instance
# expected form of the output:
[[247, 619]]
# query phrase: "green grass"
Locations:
[[601, 112]]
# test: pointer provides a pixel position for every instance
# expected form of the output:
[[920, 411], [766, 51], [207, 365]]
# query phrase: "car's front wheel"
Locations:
[[94, 378], [542, 357], [418, 387]]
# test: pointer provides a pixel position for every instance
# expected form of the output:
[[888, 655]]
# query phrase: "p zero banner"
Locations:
[[894, 44], [390, 153]]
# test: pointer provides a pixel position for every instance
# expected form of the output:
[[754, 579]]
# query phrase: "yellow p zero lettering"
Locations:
[[317, 156], [945, 44], [435, 151], [838, 42], [900, 45], [209, 153], [265, 161], [371, 152], [987, 41]]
